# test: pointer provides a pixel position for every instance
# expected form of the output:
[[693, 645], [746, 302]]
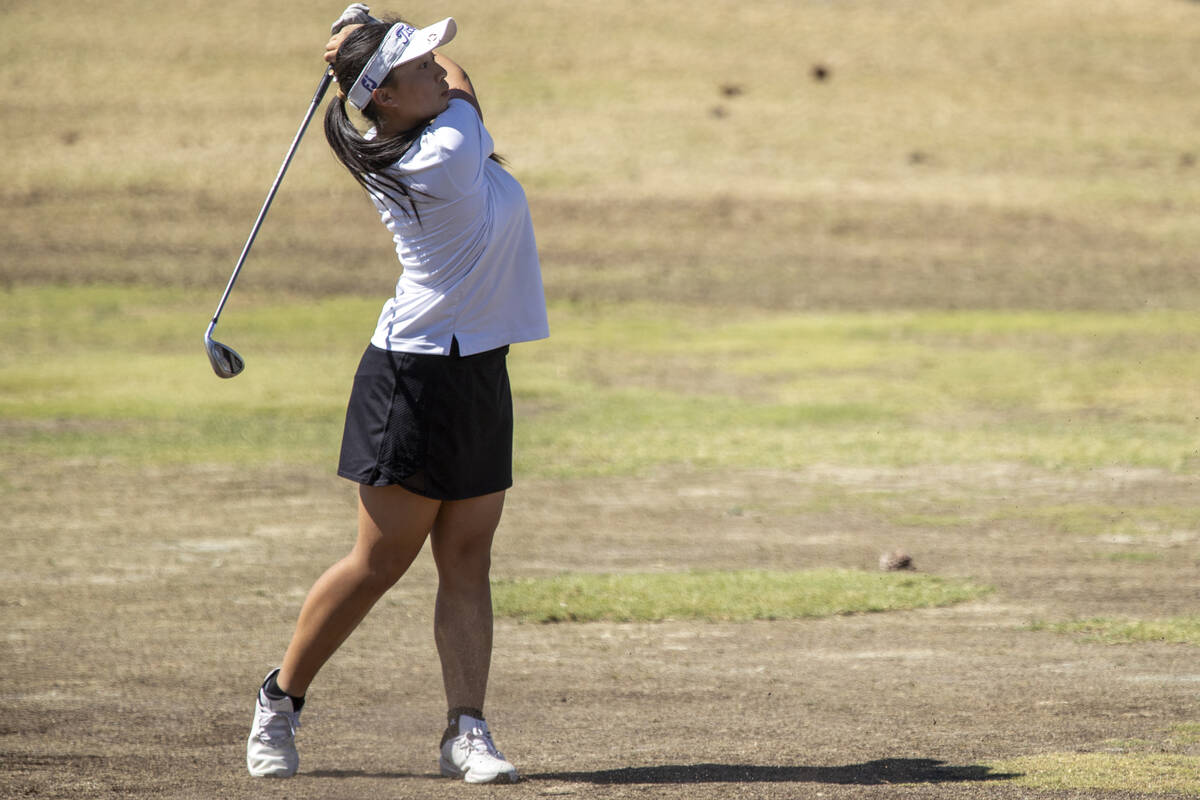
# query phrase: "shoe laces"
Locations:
[[480, 741], [277, 727]]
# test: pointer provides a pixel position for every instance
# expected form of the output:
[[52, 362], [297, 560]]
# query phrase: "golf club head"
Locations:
[[224, 359]]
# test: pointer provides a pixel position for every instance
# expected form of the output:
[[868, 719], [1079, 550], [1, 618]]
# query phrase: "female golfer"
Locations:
[[428, 434]]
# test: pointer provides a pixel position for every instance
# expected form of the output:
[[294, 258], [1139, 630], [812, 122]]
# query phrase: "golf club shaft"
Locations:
[[326, 79]]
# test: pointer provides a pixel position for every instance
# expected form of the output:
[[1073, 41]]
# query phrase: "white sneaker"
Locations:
[[271, 748], [473, 756]]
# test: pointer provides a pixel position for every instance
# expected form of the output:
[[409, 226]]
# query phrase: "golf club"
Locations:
[[224, 359]]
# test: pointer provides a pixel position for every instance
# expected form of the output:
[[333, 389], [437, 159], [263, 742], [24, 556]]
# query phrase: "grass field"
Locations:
[[826, 279]]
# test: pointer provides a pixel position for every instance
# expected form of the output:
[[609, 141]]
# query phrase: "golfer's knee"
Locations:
[[467, 564], [381, 570]]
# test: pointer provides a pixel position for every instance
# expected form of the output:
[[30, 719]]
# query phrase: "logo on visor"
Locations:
[[369, 84], [403, 37]]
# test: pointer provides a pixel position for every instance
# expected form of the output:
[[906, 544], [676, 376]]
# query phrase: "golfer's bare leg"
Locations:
[[462, 548], [392, 526]]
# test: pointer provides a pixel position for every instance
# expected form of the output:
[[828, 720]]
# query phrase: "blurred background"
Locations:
[[790, 154]]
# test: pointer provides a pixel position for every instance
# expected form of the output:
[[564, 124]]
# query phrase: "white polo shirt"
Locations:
[[471, 267]]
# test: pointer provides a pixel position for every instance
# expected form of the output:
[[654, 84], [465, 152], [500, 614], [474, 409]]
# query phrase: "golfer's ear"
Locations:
[[381, 96]]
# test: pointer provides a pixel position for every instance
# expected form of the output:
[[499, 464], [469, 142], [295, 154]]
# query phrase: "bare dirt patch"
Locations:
[[824, 252], [140, 607]]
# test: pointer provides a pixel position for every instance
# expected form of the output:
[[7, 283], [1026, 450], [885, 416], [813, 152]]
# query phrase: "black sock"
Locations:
[[452, 720], [272, 690], [453, 714]]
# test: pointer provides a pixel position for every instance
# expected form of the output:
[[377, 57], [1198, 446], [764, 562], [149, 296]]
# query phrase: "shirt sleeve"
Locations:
[[452, 150]]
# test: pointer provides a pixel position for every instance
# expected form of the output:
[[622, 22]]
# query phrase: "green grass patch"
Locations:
[[722, 595], [120, 372], [1140, 773], [789, 390], [1176, 630], [1185, 733]]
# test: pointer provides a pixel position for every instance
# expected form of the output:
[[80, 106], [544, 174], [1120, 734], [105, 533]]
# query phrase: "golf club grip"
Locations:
[[322, 87]]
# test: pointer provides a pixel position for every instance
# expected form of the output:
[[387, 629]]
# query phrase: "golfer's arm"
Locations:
[[460, 83]]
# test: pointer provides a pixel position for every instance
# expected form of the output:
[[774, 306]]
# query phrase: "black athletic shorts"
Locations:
[[438, 425]]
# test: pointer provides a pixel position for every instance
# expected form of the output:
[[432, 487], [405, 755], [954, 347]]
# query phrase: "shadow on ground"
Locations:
[[871, 773], [358, 773]]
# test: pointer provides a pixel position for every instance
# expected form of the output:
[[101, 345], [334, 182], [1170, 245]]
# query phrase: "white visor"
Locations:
[[402, 44]]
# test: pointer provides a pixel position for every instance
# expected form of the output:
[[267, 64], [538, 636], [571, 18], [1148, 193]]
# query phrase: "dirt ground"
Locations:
[[140, 610]]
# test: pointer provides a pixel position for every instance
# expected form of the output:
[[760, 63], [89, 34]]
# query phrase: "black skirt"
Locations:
[[438, 425]]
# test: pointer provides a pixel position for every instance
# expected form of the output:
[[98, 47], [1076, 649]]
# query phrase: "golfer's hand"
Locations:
[[335, 41], [355, 14]]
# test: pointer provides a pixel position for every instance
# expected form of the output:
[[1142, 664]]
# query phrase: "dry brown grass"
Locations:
[[956, 154]]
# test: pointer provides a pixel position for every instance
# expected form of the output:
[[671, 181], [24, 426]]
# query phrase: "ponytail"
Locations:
[[368, 160]]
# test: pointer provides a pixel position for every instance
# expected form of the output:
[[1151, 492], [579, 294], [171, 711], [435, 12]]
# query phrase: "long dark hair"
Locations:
[[367, 159]]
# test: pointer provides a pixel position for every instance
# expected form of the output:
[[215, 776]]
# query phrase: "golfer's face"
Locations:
[[421, 87]]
